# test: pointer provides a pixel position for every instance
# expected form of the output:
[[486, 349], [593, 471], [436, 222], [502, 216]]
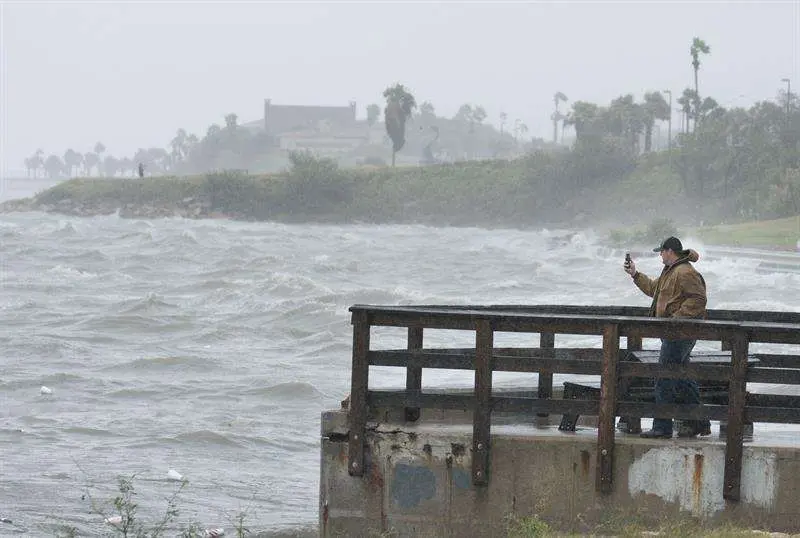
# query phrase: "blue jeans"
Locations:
[[681, 391]]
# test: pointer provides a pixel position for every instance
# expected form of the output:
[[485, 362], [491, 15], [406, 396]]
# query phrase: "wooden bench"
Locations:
[[642, 389]]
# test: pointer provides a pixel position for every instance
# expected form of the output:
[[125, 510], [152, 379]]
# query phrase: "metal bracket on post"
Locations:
[[481, 420], [358, 394], [608, 403]]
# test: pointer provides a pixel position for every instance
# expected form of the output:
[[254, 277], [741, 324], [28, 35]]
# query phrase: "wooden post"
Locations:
[[413, 373], [358, 393], [608, 403], [736, 405], [547, 343], [481, 421]]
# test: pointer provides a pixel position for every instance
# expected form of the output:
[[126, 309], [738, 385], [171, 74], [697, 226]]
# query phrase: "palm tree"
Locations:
[[373, 111], [179, 145], [426, 110], [54, 166], [90, 160], [582, 116], [72, 160], [697, 48], [110, 166], [99, 149], [400, 104], [686, 101], [655, 108], [503, 118], [557, 116], [231, 122], [34, 162]]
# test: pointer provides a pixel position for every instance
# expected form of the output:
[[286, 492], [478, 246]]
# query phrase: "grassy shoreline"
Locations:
[[489, 194]]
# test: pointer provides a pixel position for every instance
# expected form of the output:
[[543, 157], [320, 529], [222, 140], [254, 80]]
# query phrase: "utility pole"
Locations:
[[788, 93], [669, 130]]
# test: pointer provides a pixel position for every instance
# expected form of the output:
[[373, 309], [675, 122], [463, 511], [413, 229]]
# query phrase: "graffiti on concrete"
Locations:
[[411, 485]]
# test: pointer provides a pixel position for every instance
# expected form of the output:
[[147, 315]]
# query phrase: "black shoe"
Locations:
[[695, 428], [656, 434]]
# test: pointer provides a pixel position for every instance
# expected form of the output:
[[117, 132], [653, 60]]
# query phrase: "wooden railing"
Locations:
[[735, 330]]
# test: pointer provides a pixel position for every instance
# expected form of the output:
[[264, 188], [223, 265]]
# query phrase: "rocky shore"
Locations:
[[189, 208]]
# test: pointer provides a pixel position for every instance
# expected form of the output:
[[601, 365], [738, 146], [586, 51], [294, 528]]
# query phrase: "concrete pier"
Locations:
[[417, 480]]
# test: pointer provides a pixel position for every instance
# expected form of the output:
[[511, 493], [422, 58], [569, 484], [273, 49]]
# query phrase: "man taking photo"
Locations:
[[679, 292]]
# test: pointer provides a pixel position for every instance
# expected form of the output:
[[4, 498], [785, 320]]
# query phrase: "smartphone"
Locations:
[[627, 259]]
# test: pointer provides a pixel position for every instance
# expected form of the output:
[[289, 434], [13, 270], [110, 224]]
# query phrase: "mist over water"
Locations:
[[211, 347]]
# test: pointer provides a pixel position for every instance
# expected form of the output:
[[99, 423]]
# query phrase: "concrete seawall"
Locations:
[[418, 478]]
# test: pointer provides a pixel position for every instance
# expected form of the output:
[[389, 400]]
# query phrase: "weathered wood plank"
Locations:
[[607, 412], [784, 376], [385, 398], [699, 372], [777, 360], [481, 422], [679, 411], [413, 372], [520, 321], [359, 384], [547, 343], [614, 311], [736, 407], [499, 363]]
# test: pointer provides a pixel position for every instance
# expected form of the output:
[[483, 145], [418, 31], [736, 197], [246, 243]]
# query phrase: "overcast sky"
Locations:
[[131, 74]]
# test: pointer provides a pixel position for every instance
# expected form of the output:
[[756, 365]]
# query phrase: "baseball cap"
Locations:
[[670, 243]]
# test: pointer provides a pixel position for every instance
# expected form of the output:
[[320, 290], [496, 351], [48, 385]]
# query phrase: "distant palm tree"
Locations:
[[54, 166], [373, 111], [231, 122], [99, 149], [179, 145], [426, 110], [400, 104], [90, 160], [110, 166], [697, 48], [72, 161], [655, 108], [557, 116], [582, 116], [686, 101]]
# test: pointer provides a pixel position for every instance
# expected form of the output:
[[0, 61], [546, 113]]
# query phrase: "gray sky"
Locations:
[[131, 74]]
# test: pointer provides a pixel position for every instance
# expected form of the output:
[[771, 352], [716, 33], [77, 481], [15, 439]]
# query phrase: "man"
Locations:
[[679, 292]]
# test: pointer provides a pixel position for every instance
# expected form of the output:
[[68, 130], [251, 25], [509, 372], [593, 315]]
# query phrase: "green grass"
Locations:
[[534, 527], [779, 234]]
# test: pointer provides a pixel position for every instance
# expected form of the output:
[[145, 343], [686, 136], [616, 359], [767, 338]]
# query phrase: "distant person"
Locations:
[[679, 292], [141, 170]]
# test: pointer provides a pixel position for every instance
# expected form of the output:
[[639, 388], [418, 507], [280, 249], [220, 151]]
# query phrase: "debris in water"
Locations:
[[6, 520], [174, 475], [114, 520], [45, 390], [215, 533]]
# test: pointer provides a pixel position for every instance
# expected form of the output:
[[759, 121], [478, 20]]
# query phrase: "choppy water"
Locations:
[[211, 347]]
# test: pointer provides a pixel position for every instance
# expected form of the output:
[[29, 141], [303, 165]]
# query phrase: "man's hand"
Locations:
[[630, 268]]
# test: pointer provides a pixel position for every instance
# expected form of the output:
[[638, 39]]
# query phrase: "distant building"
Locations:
[[324, 130], [279, 119]]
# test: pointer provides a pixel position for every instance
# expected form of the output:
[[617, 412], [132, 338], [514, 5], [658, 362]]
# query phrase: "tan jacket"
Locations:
[[679, 292]]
